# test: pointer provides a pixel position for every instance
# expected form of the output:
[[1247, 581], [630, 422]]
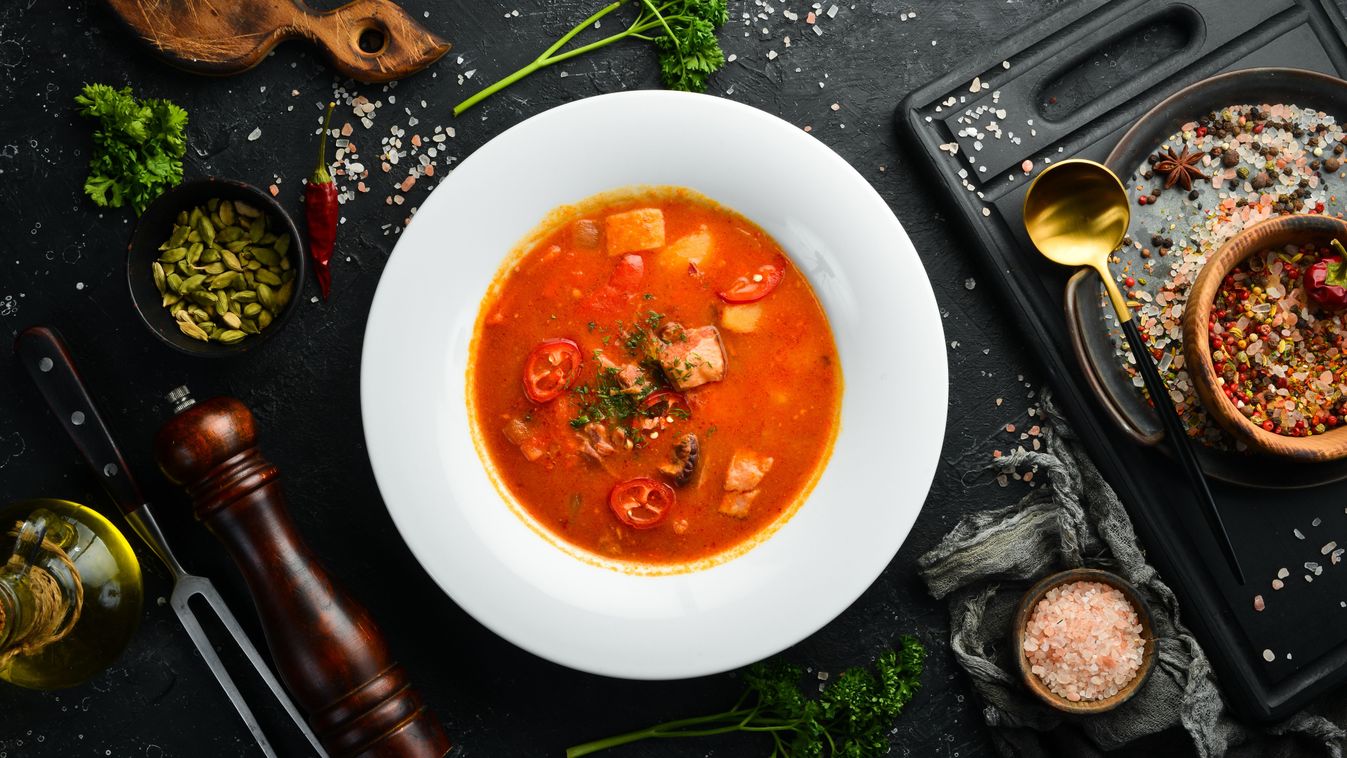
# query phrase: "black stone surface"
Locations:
[[62, 264]]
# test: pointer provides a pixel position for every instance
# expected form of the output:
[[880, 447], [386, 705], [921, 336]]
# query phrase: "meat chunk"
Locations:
[[746, 471], [695, 358], [736, 504], [630, 376], [518, 432], [634, 231], [594, 442], [684, 464], [585, 234]]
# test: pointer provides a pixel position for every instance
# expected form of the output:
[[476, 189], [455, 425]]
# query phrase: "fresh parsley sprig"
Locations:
[[683, 33], [138, 146], [851, 718]]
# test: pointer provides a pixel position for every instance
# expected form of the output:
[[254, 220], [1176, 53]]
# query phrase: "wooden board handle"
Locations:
[[219, 40], [370, 40], [328, 649]]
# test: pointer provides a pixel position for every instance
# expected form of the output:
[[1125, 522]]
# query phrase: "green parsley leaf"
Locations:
[[138, 146]]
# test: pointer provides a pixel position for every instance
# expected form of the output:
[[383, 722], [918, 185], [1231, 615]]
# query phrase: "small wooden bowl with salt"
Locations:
[[1097, 622]]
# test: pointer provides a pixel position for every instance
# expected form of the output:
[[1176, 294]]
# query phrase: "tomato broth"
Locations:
[[653, 381]]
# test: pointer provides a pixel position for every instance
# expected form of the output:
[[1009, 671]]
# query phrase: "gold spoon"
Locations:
[[1076, 212]]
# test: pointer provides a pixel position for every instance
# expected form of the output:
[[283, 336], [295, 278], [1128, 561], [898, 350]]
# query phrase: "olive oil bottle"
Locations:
[[70, 593]]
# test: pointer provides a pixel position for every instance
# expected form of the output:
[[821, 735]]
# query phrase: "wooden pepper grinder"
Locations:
[[330, 654]]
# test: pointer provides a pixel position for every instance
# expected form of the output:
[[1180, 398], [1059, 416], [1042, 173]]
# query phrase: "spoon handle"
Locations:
[[1178, 439]]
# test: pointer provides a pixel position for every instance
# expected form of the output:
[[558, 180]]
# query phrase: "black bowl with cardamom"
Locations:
[[216, 267]]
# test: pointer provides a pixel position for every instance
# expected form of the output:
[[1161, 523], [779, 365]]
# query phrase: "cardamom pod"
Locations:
[[263, 320], [174, 255], [193, 283], [221, 281], [232, 261], [283, 295], [226, 211], [206, 228], [264, 276], [250, 310], [266, 296], [246, 210], [176, 239], [229, 336], [266, 255], [232, 321], [193, 331], [160, 281]]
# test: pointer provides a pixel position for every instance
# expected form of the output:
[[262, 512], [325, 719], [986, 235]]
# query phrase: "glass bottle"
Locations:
[[70, 593]]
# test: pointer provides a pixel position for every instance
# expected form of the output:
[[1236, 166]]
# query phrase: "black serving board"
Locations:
[[1084, 76]]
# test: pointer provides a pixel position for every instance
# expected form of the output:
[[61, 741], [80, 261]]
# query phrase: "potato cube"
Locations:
[[634, 231], [741, 318], [692, 249]]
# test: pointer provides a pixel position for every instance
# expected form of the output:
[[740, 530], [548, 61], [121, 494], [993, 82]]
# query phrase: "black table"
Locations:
[[62, 264]]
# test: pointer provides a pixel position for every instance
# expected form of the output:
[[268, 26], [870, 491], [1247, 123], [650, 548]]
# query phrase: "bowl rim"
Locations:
[[298, 253], [1331, 445], [1021, 620]]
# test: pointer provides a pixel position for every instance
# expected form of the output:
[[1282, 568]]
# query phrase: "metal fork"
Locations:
[[44, 354]]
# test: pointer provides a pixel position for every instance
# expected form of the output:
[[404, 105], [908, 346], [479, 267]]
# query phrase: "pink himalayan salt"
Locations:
[[1083, 641]]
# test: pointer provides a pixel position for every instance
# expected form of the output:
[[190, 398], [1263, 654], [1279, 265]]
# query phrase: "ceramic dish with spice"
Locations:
[[1246, 146], [1083, 640], [215, 267]]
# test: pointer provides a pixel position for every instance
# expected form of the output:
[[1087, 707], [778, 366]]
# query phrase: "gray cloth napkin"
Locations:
[[1073, 519]]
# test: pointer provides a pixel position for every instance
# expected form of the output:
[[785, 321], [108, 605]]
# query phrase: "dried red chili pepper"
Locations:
[[320, 208], [1326, 280]]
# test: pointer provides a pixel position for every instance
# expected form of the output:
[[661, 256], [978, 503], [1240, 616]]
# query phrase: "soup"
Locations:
[[652, 381]]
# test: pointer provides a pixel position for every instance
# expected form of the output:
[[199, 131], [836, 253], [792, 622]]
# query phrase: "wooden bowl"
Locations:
[[155, 225], [1026, 609], [1274, 232]]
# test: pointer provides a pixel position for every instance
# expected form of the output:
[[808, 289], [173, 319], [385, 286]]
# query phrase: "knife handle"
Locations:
[[328, 650], [44, 355]]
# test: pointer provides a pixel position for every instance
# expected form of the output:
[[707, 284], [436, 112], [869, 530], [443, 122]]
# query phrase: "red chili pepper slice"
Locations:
[[551, 369], [753, 287], [641, 503], [320, 209], [666, 402]]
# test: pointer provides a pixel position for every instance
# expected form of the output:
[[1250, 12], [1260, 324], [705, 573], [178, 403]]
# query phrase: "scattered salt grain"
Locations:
[[1083, 641], [1258, 604], [254, 134], [1269, 656]]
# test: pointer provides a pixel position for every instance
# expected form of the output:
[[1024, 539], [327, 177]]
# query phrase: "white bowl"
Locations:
[[835, 228]]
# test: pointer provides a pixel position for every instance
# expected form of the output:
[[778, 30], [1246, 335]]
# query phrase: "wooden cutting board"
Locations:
[[367, 40]]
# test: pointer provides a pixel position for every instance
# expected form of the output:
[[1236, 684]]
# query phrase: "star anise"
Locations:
[[1180, 168]]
